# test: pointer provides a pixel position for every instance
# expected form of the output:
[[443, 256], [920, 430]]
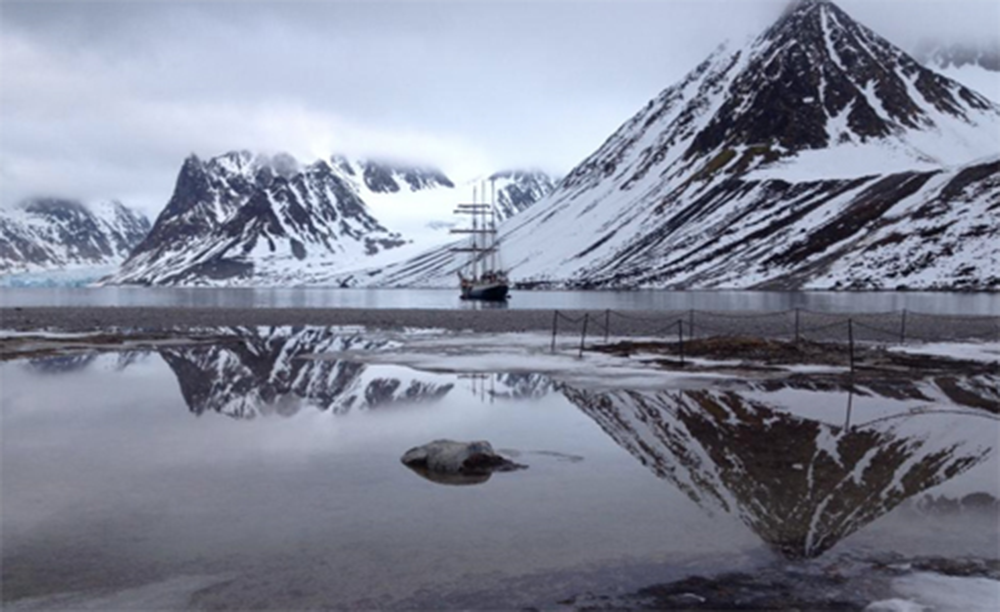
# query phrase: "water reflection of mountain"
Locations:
[[802, 485], [64, 364], [268, 371]]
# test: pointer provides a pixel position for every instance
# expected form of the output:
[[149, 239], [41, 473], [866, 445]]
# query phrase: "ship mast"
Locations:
[[475, 237], [493, 225], [482, 225]]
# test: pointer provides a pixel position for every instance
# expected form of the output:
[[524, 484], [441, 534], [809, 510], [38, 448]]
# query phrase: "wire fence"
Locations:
[[883, 328]]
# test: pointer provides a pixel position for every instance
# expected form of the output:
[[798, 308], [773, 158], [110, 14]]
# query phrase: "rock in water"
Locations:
[[447, 457]]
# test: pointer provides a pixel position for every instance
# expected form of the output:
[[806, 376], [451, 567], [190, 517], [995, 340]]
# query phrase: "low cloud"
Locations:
[[105, 99]]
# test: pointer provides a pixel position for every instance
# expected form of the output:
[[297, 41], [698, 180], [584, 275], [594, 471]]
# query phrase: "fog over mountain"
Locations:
[[101, 100]]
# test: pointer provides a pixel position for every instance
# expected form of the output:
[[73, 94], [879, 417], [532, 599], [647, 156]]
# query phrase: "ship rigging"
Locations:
[[483, 276]]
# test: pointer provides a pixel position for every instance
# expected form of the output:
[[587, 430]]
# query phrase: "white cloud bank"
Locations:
[[105, 99]]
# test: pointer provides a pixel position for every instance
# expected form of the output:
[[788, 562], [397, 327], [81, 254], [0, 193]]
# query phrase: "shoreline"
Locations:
[[884, 328], [91, 318]]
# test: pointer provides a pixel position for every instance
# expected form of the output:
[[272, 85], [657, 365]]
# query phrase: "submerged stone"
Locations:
[[472, 461]]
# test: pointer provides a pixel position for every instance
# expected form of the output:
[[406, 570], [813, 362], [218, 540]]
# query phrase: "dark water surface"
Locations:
[[241, 475], [926, 302]]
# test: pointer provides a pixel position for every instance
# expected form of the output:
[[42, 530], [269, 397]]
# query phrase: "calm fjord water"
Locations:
[[249, 475], [926, 302]]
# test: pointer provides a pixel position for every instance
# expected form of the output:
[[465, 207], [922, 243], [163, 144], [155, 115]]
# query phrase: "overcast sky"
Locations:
[[104, 99]]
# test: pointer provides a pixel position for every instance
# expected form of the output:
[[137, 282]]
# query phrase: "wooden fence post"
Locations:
[[850, 341], [850, 403], [607, 324], [796, 326], [555, 327], [583, 336], [902, 328], [680, 339]]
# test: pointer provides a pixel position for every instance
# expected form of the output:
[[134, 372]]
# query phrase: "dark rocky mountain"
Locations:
[[42, 235], [245, 219], [818, 156], [802, 485]]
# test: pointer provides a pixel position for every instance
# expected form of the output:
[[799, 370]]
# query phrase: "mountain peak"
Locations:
[[804, 5], [799, 11], [243, 214], [816, 79], [809, 136]]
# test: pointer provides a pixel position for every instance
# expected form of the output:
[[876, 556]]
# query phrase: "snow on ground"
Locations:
[[522, 353], [531, 352], [844, 162], [171, 593], [48, 335], [985, 82], [988, 352], [926, 591]]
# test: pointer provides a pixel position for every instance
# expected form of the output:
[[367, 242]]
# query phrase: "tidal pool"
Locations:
[[264, 473]]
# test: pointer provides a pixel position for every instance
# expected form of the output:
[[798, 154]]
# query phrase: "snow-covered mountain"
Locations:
[[417, 200], [974, 64], [801, 484], [518, 190], [388, 177], [819, 155], [45, 235], [248, 219]]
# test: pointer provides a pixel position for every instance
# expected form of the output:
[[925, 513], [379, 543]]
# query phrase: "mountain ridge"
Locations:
[[239, 218], [247, 219], [801, 150], [44, 234]]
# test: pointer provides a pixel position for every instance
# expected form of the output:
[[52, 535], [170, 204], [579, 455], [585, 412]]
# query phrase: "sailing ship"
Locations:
[[483, 277]]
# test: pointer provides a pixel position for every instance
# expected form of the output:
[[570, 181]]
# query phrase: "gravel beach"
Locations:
[[153, 319], [891, 327]]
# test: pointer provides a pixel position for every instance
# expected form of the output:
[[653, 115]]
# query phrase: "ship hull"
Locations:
[[487, 292]]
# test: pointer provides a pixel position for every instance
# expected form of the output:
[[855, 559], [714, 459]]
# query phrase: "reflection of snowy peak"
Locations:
[[66, 364], [48, 234], [817, 156], [801, 485], [262, 372], [245, 219]]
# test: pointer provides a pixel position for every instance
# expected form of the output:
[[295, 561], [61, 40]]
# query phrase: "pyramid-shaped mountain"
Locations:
[[819, 155]]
